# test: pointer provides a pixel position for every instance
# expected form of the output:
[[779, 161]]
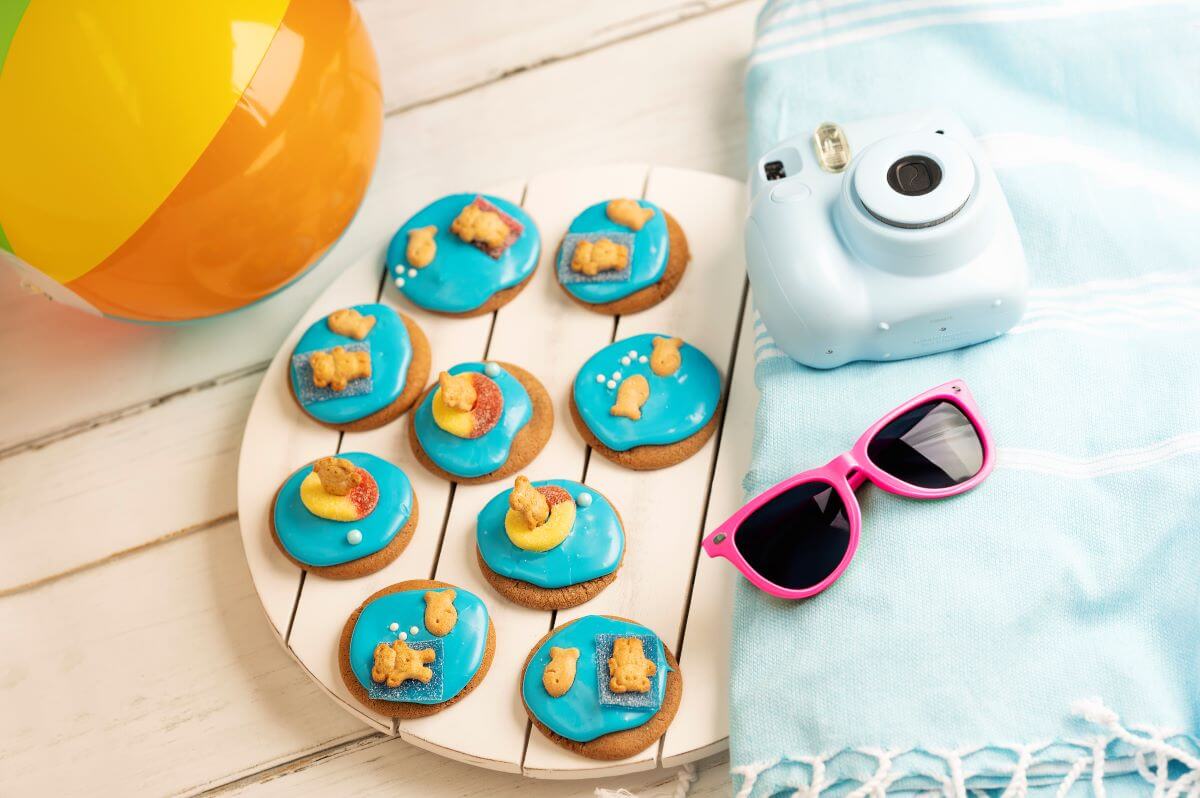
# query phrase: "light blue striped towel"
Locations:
[[1046, 625]]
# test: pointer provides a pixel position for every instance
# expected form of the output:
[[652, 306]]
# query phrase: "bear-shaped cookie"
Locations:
[[440, 614], [458, 391], [422, 248], [350, 323], [665, 359], [338, 475], [628, 668], [559, 673], [480, 223], [338, 368], [529, 502], [396, 663], [628, 213], [593, 257], [631, 395]]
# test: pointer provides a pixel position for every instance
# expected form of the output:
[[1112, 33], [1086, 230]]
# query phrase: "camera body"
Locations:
[[883, 239]]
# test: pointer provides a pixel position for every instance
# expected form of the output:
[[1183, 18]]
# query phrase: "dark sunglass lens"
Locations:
[[798, 538], [931, 446]]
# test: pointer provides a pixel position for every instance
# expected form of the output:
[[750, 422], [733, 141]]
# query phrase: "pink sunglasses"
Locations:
[[794, 540]]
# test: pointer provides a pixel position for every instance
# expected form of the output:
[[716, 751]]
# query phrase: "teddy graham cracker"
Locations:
[[549, 544]]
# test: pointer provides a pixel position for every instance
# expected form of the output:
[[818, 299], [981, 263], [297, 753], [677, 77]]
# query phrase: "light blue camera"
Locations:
[[882, 240]]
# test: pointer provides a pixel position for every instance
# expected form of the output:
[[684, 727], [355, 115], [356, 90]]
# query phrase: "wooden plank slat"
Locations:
[[325, 604], [701, 726], [663, 509], [493, 40], [152, 475], [279, 438], [151, 676], [544, 332]]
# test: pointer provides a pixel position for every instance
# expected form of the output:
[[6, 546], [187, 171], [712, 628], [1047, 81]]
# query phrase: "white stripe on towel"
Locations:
[[1100, 465], [1059, 10], [1015, 150]]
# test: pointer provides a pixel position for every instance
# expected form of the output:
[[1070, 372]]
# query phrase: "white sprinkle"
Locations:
[[632, 353], [612, 384], [402, 635], [642, 359], [412, 272], [584, 499], [354, 537], [600, 378], [399, 282], [394, 626], [413, 630], [616, 375], [491, 369], [625, 360]]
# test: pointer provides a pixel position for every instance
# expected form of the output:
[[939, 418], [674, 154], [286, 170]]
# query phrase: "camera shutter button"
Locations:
[[790, 191]]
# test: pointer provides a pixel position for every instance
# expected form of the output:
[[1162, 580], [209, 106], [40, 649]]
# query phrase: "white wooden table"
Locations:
[[134, 657]]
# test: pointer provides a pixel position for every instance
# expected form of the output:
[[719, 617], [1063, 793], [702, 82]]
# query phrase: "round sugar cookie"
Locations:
[[564, 561], [509, 420], [356, 534], [359, 368], [464, 255], [584, 713], [647, 402], [621, 256], [416, 647]]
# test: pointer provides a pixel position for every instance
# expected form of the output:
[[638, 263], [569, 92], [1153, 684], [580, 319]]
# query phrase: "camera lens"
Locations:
[[914, 175]]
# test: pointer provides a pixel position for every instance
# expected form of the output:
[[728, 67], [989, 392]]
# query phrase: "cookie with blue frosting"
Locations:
[[346, 516], [621, 256], [648, 401], [549, 545], [416, 647], [602, 686], [479, 422], [359, 367], [465, 254]]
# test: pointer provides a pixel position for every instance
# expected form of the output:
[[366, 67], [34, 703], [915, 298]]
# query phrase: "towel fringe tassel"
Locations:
[[1145, 742]]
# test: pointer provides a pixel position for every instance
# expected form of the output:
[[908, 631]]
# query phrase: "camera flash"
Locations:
[[833, 150]]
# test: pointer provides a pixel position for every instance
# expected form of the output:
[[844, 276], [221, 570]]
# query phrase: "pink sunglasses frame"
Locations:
[[844, 474]]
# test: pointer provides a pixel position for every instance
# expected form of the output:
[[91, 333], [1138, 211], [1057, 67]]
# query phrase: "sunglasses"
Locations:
[[795, 539]]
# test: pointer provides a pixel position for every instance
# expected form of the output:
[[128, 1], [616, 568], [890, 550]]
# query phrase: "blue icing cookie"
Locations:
[[321, 542], [651, 250], [592, 549], [459, 653], [579, 714], [679, 405], [474, 457], [461, 277], [391, 354]]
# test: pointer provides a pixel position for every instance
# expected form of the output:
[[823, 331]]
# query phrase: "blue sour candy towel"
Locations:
[[1015, 637]]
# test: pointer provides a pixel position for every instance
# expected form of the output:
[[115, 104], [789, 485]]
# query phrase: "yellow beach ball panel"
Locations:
[[117, 100]]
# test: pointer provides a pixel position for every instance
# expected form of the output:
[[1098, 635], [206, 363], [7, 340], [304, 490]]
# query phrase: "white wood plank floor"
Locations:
[[133, 656]]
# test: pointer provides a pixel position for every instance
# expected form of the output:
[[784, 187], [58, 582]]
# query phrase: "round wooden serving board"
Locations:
[[664, 583]]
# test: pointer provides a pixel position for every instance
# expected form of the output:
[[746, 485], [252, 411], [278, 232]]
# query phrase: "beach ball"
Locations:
[[163, 160]]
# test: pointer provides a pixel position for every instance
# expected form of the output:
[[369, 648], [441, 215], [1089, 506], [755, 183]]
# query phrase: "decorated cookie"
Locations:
[[621, 256], [415, 648], [549, 545], [359, 367], [601, 686], [480, 422], [464, 255], [344, 516], [647, 402]]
